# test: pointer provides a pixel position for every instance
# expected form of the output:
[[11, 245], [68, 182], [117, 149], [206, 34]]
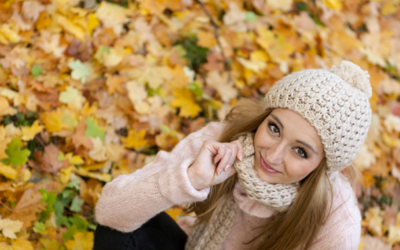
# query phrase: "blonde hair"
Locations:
[[299, 225]]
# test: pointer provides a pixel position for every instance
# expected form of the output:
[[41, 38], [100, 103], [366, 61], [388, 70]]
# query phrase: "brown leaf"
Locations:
[[79, 138], [27, 207], [80, 50], [48, 161], [90, 191]]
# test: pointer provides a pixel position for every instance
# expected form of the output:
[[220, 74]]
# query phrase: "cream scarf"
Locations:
[[276, 197]]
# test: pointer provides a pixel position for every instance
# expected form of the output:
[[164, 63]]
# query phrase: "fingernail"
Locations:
[[241, 158], [220, 171], [227, 167]]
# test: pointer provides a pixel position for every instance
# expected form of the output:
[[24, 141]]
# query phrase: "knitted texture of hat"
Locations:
[[336, 104], [276, 197]]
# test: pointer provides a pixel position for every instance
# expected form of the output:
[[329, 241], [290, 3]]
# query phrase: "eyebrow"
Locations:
[[298, 141], [307, 145], [277, 120]]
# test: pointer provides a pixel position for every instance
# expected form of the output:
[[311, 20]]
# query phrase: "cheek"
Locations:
[[301, 168]]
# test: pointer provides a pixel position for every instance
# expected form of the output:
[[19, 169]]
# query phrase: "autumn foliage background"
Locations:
[[91, 90]]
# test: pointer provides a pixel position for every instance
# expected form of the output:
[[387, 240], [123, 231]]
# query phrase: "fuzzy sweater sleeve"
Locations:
[[129, 201]]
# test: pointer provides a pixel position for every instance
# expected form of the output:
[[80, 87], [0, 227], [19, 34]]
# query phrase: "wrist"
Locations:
[[194, 180]]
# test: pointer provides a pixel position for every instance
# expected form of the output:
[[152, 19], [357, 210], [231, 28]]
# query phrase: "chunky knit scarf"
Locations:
[[276, 197]]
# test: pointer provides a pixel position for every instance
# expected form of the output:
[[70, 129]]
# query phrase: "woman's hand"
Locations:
[[201, 172]]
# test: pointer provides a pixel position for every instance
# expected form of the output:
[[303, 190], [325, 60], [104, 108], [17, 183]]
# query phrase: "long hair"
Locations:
[[295, 228]]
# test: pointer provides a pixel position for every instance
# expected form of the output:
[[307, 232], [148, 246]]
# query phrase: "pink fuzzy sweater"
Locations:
[[130, 200]]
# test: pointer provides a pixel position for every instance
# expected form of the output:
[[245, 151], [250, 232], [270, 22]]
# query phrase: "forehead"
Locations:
[[296, 126]]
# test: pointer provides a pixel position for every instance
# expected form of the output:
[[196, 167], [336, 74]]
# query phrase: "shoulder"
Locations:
[[343, 226]]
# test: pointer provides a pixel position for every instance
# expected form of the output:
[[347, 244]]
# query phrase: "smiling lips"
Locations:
[[267, 168]]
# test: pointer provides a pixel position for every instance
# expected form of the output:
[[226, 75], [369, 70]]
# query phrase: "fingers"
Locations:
[[240, 151], [232, 151]]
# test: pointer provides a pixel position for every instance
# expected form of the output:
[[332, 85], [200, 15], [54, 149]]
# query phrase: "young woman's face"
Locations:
[[287, 148]]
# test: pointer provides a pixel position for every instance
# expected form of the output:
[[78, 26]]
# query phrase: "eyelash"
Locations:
[[302, 149]]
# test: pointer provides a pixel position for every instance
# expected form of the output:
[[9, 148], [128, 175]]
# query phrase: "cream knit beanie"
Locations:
[[335, 102]]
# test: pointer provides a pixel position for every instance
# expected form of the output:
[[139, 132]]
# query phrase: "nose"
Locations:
[[276, 154]]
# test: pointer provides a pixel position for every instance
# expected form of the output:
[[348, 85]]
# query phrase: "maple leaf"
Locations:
[[135, 140], [91, 191], [16, 156], [79, 71], [49, 161], [5, 108], [27, 207], [79, 138], [18, 244], [92, 130], [112, 16], [72, 97], [10, 227], [28, 133], [8, 171], [82, 241], [184, 100]]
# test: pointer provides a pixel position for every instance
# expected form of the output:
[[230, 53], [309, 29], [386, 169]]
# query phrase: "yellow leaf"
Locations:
[[389, 7], [70, 27], [82, 241], [8, 171], [5, 108], [206, 39], [18, 244], [92, 22], [334, 4], [74, 159], [135, 140], [374, 220], [275, 44], [65, 174], [28, 133], [9, 33], [10, 227], [53, 121], [94, 175], [394, 231], [174, 212], [17, 98], [284, 5], [185, 101]]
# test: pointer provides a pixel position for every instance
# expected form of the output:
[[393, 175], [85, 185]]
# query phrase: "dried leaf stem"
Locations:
[[216, 34]]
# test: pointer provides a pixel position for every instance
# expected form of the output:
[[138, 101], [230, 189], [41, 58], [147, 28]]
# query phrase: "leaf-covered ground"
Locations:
[[91, 90]]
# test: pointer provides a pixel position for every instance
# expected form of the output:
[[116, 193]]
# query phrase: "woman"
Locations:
[[270, 176]]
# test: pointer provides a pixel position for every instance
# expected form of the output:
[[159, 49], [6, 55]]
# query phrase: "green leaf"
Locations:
[[74, 184], [39, 227], [51, 244], [16, 156], [69, 235], [36, 70], [194, 54], [92, 130], [79, 71], [99, 54], [80, 222], [49, 199], [60, 218], [76, 205], [195, 88], [250, 16]]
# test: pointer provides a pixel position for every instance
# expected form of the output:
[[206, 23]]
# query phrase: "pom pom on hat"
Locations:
[[353, 75]]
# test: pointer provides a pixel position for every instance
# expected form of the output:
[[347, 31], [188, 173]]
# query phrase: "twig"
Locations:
[[6, 206], [40, 141], [216, 34]]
